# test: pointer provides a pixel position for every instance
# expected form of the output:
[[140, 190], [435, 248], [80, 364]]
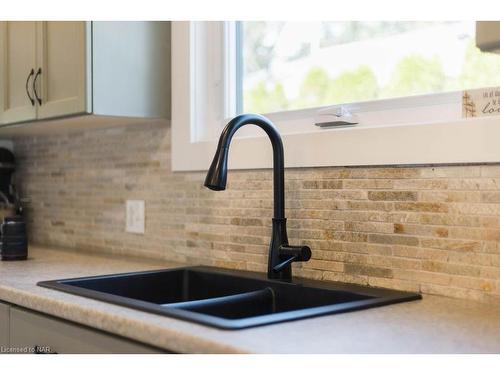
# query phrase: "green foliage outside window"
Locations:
[[412, 75]]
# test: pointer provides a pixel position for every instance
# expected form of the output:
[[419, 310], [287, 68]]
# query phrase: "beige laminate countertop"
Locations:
[[432, 325]]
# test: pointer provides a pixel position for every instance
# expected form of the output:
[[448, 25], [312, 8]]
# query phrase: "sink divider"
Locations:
[[265, 295]]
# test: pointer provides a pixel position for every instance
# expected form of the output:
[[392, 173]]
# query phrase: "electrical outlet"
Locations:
[[135, 216]]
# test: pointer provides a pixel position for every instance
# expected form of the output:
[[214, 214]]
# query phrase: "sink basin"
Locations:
[[225, 298]]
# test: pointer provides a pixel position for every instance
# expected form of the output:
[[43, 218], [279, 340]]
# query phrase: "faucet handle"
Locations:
[[295, 254]]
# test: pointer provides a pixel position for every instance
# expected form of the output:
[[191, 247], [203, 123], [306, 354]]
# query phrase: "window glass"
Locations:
[[296, 65]]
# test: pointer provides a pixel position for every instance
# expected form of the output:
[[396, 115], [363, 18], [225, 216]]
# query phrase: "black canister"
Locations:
[[13, 240]]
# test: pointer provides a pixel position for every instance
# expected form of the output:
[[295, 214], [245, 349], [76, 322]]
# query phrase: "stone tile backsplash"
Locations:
[[434, 229]]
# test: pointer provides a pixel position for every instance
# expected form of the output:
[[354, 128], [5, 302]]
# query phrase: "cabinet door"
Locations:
[[17, 60], [63, 53], [31, 329], [4, 325]]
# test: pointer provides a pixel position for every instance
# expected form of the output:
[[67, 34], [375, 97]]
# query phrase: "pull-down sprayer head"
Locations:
[[217, 173]]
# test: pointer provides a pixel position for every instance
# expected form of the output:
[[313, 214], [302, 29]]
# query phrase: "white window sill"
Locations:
[[444, 142]]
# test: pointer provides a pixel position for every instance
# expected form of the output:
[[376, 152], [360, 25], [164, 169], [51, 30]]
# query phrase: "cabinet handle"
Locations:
[[26, 86], [38, 72]]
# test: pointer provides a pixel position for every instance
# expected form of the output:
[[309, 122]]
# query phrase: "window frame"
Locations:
[[412, 130]]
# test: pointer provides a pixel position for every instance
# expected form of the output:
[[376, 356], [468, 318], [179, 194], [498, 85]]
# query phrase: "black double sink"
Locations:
[[227, 299]]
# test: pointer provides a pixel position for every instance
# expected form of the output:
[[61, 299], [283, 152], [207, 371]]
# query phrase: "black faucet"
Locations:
[[281, 254]]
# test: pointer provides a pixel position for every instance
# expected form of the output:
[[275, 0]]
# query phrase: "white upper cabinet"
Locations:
[[17, 71], [59, 70], [62, 68], [131, 69]]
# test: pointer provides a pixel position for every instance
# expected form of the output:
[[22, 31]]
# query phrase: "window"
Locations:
[[403, 80], [296, 65]]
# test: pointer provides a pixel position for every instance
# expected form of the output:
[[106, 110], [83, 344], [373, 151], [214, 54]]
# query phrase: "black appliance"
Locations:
[[13, 237]]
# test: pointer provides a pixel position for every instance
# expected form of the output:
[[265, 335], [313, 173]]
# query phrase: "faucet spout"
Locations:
[[217, 173], [217, 177]]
